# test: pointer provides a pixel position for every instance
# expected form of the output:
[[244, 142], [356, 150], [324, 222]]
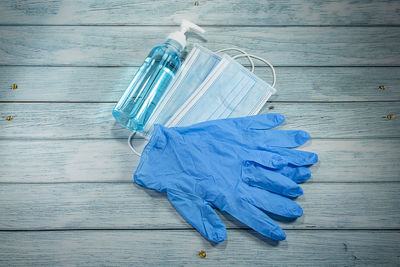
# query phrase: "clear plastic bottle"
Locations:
[[151, 80], [148, 85]]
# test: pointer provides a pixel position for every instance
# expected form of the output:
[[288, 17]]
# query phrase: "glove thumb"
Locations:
[[199, 214]]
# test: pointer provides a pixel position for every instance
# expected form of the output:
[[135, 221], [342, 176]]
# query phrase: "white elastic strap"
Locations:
[[241, 51], [130, 144], [263, 60]]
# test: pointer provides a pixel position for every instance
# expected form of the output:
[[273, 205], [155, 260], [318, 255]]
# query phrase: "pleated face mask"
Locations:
[[230, 90], [197, 66], [208, 87]]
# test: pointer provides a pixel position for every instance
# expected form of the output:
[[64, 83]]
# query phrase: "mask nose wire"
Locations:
[[263, 60]]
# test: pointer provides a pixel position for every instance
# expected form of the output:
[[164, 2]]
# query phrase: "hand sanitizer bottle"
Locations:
[[152, 79]]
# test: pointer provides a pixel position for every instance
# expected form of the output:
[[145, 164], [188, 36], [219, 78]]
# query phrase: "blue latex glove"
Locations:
[[235, 165]]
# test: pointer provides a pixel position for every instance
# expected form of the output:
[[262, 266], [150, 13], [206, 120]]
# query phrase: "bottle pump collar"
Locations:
[[186, 26]]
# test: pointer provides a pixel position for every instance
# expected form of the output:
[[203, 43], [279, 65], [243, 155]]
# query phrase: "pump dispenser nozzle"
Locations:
[[186, 26]]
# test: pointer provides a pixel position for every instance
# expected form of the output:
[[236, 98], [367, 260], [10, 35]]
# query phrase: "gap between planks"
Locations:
[[377, 137], [131, 182], [271, 102], [394, 229], [204, 25]]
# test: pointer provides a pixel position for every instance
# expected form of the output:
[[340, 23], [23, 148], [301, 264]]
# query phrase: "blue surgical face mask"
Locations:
[[230, 90]]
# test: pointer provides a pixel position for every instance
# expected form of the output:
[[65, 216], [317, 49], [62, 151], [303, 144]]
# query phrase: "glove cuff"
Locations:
[[151, 151]]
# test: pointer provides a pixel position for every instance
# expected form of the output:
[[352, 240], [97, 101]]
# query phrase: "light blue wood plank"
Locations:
[[107, 84], [54, 161], [176, 248], [251, 12], [94, 120], [128, 46], [111, 206], [129, 206]]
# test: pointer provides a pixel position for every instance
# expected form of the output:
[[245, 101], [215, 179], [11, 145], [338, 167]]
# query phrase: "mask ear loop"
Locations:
[[263, 60], [241, 51], [131, 145]]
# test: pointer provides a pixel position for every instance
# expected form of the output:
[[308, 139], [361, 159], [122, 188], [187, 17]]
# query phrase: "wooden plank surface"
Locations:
[[237, 12], [129, 206], [94, 120], [107, 83], [128, 45], [173, 248], [110, 160], [66, 171]]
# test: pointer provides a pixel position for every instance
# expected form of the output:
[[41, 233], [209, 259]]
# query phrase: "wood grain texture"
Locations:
[[128, 45], [107, 83], [59, 161], [129, 206], [94, 120], [178, 248], [66, 168], [252, 12]]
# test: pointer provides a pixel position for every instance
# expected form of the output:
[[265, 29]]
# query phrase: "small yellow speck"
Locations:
[[9, 118], [382, 87], [390, 116], [14, 86], [196, 3], [202, 254]]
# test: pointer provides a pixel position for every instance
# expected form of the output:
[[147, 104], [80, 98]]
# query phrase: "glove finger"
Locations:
[[271, 202], [265, 158], [199, 214], [261, 121], [295, 157], [256, 122], [297, 174], [258, 176], [279, 138], [255, 218]]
